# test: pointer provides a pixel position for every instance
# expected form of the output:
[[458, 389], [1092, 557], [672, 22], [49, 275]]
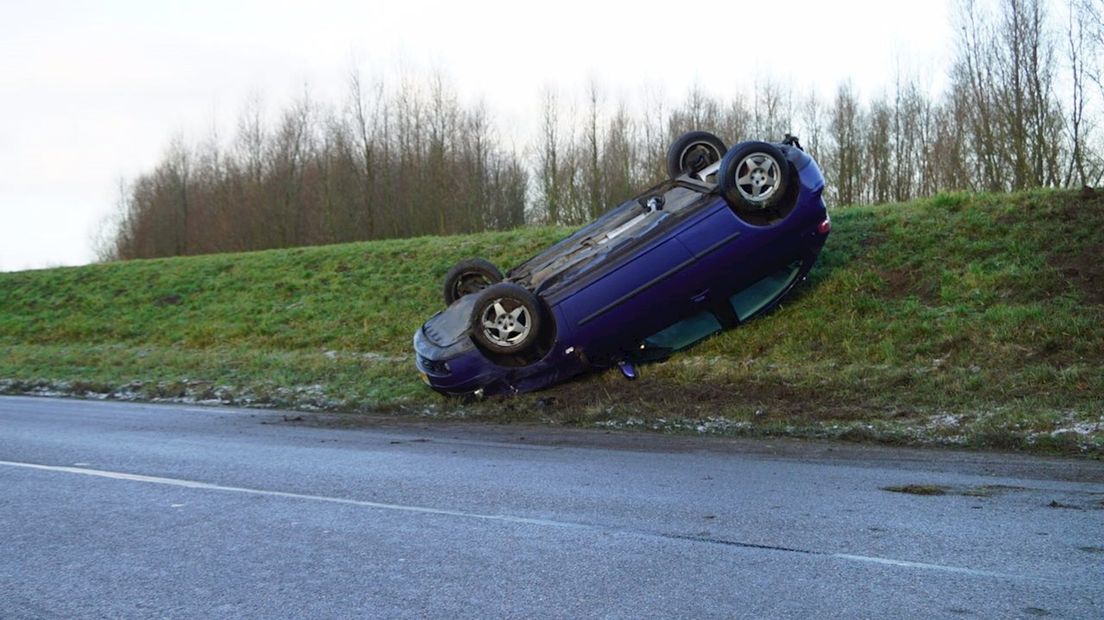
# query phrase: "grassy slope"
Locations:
[[961, 319]]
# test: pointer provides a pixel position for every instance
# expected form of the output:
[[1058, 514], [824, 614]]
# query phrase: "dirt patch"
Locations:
[[902, 282], [1057, 504], [597, 390], [647, 397], [988, 490], [871, 241], [1084, 270], [898, 282], [917, 489]]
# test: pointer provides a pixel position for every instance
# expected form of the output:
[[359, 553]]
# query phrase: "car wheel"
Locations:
[[506, 318], [469, 276], [693, 152], [755, 178]]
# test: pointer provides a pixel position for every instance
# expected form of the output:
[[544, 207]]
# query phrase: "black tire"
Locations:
[[469, 276], [693, 152], [506, 319], [757, 181]]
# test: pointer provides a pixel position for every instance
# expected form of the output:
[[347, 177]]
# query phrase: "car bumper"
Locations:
[[457, 369]]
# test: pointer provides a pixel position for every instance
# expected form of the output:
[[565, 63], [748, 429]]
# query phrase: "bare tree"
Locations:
[[367, 111], [698, 112], [618, 162], [773, 110], [812, 125], [549, 161], [653, 137], [975, 83], [877, 165], [844, 168], [1079, 45], [593, 155]]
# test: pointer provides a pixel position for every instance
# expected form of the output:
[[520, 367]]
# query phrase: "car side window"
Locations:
[[748, 302], [685, 332]]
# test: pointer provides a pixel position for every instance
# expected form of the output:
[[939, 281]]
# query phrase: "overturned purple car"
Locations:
[[720, 242]]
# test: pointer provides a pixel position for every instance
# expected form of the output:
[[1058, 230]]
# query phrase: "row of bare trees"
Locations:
[[1003, 124], [1024, 97], [384, 165]]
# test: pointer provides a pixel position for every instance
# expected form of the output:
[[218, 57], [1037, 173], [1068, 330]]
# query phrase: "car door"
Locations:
[[630, 301]]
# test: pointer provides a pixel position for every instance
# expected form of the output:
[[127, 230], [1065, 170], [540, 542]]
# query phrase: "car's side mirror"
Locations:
[[627, 369]]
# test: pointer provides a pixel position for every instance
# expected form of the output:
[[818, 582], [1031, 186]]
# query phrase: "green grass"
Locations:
[[964, 320]]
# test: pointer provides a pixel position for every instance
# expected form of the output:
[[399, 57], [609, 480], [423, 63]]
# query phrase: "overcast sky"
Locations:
[[91, 92]]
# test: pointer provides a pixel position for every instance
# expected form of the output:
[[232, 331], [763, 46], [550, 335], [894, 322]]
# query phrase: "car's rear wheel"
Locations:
[[468, 277], [693, 152], [757, 181], [506, 319]]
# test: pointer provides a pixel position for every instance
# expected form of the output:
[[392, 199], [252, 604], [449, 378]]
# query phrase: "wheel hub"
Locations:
[[506, 327], [760, 178], [697, 157]]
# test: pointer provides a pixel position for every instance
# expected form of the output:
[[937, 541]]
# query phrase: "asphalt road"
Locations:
[[124, 510]]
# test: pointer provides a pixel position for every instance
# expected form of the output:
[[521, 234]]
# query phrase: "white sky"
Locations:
[[91, 92]]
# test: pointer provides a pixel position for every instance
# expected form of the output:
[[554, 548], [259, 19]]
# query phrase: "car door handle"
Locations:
[[700, 296]]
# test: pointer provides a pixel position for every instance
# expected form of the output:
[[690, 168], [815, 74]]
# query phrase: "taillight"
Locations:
[[825, 226]]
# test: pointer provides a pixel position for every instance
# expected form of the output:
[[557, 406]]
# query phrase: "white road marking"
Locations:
[[907, 564], [192, 484]]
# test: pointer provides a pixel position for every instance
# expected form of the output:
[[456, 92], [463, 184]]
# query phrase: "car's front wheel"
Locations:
[[506, 319]]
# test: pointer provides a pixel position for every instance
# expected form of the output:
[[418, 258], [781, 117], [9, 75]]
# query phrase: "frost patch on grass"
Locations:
[[187, 392], [712, 425], [944, 421], [1008, 428], [990, 429], [368, 356], [1080, 428], [621, 424]]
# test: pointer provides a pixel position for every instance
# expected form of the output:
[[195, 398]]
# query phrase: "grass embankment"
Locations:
[[965, 320]]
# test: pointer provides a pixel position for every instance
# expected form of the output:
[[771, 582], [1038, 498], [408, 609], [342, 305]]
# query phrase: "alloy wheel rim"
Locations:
[[757, 177], [505, 326]]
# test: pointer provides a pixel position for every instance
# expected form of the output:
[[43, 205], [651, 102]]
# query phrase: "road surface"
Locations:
[[129, 510]]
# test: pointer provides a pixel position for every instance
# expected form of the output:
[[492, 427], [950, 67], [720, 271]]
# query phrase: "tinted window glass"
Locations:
[[685, 333], [755, 297]]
